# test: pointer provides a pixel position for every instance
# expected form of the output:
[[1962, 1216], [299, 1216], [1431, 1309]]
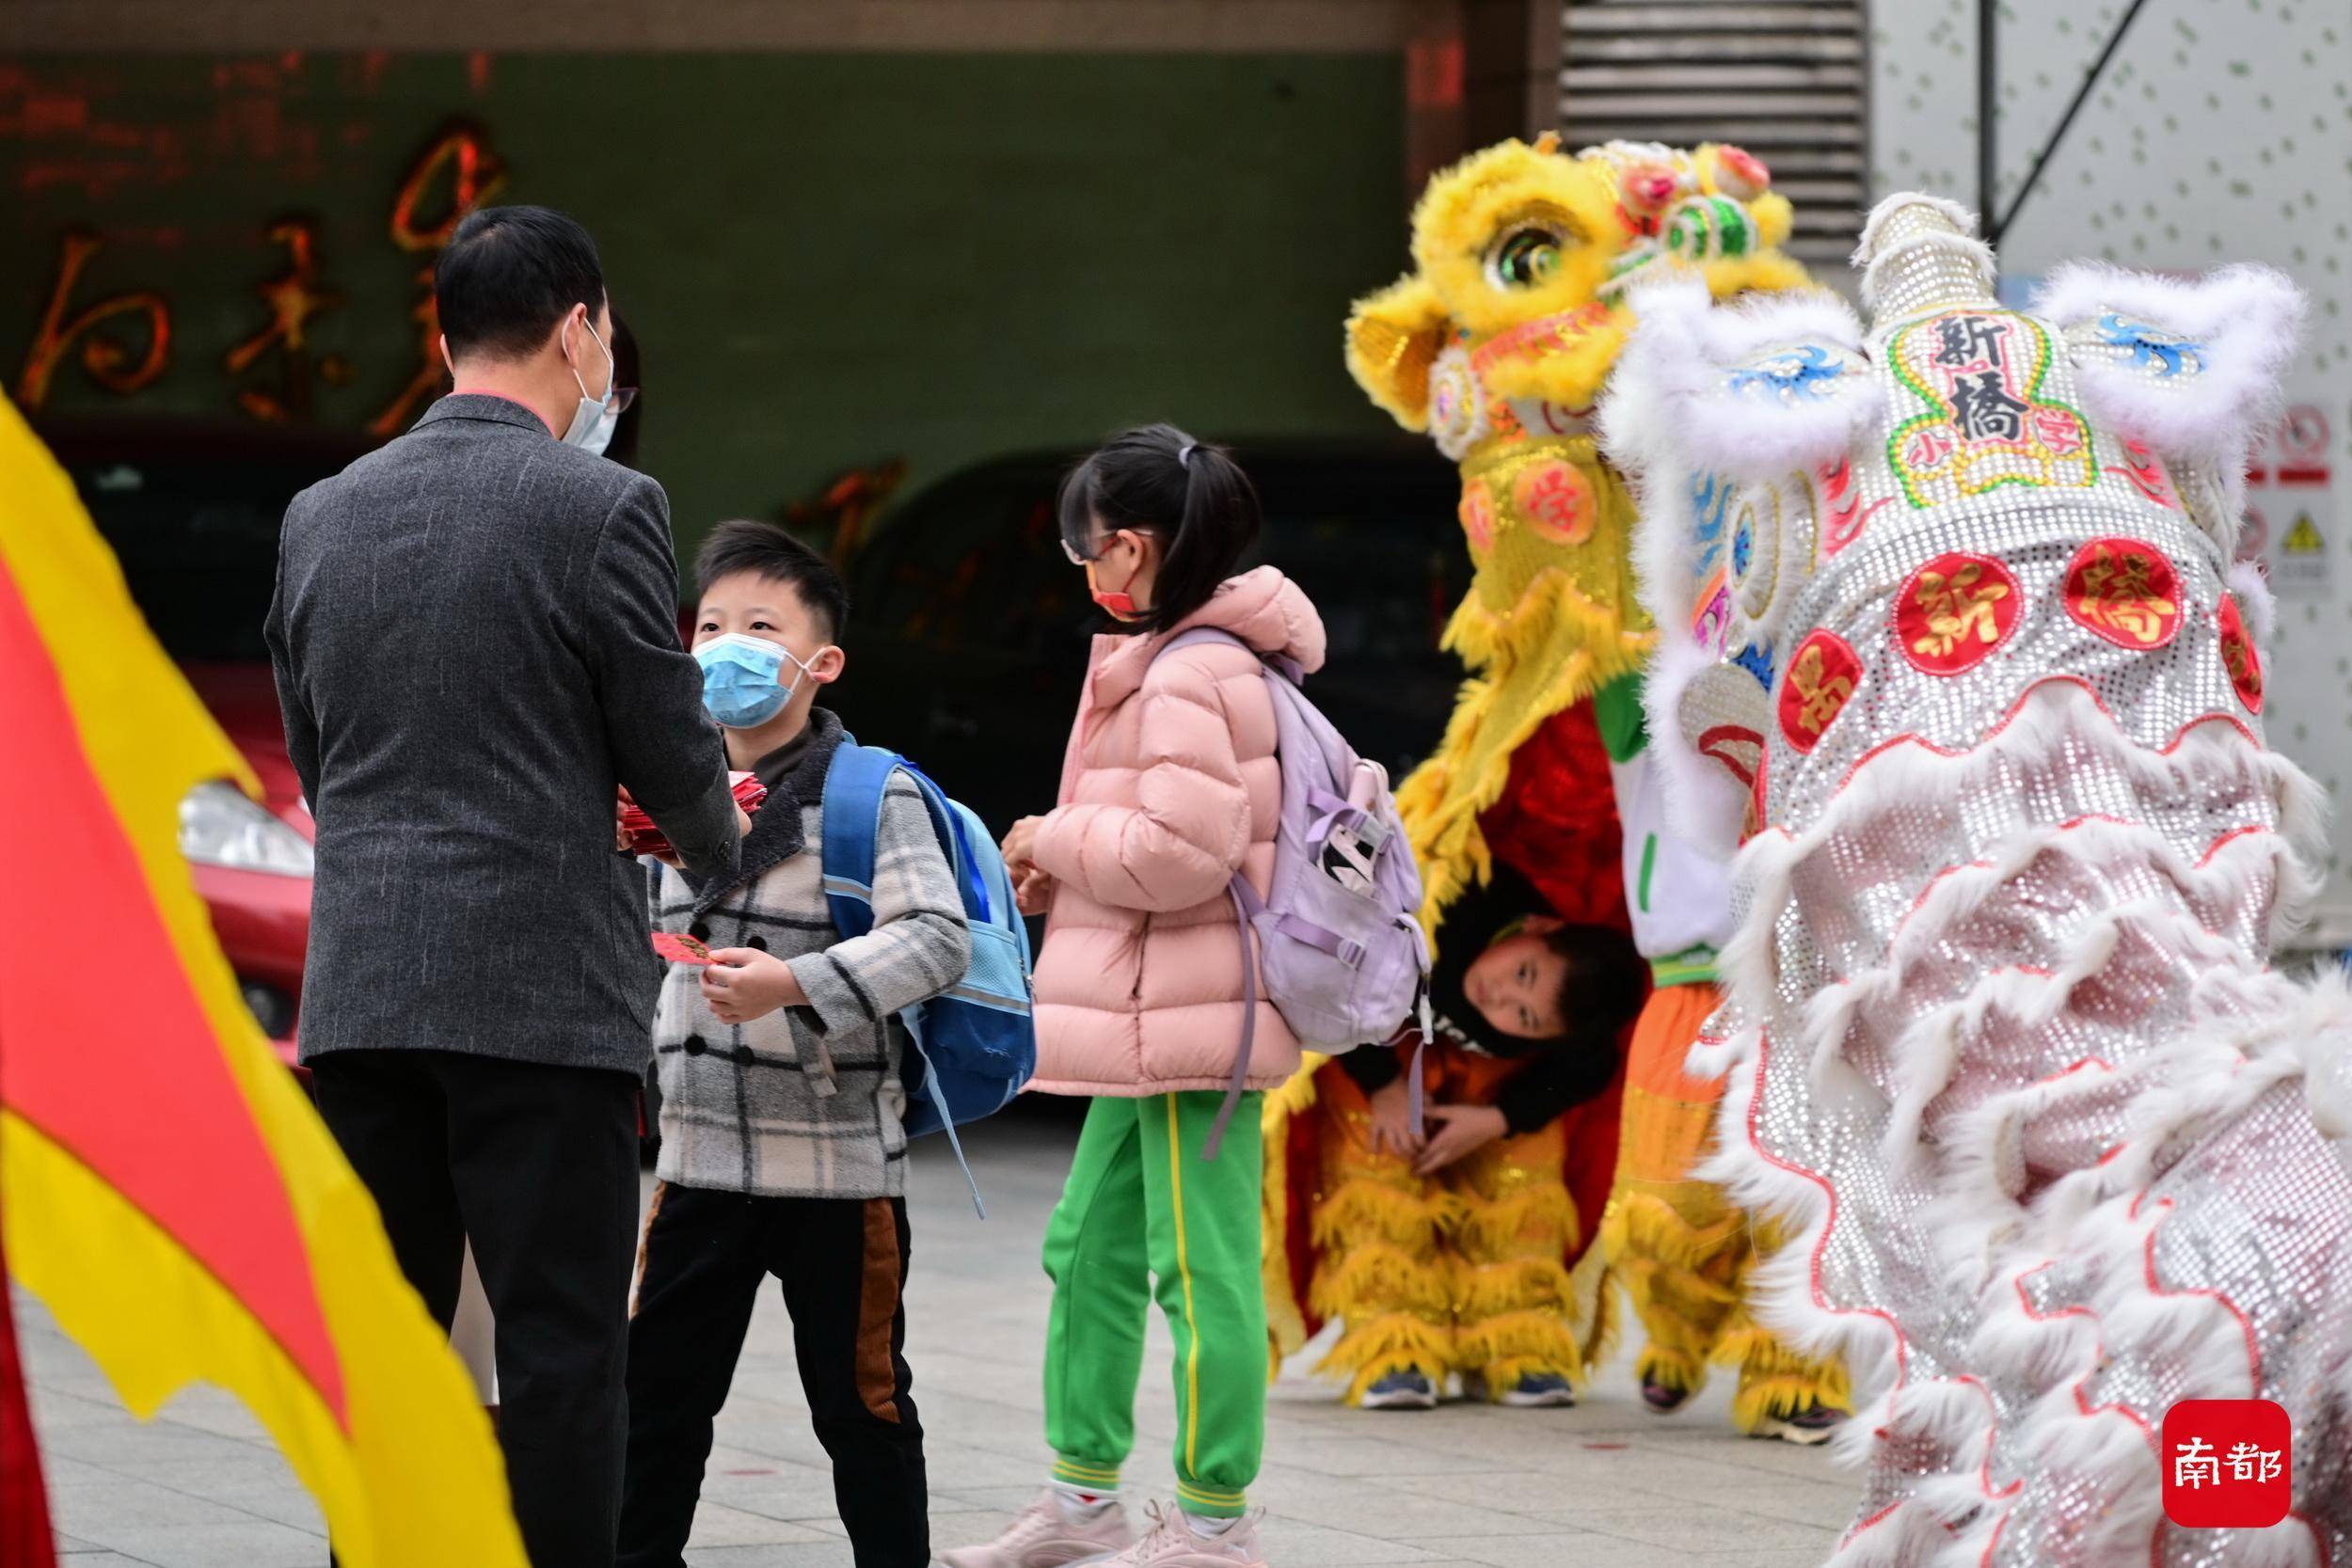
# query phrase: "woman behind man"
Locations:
[[1170, 785]]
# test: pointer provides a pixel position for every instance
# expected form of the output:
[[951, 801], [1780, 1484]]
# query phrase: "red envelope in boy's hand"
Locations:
[[680, 950]]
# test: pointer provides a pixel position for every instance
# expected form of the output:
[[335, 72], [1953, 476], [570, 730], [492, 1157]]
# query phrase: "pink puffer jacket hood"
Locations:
[[1170, 784]]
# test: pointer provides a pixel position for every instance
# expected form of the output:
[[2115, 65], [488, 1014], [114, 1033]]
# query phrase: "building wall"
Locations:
[[2218, 133], [832, 258], [1221, 26]]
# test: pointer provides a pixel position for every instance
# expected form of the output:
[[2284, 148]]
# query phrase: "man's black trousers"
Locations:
[[537, 1167]]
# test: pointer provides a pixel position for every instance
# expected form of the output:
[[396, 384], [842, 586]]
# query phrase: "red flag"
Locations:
[[25, 1538]]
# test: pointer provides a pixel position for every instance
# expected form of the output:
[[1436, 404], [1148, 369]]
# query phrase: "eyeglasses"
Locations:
[[617, 398], [1079, 558]]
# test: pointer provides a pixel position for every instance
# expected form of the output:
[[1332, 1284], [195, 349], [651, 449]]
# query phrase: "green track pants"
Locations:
[[1142, 1203]]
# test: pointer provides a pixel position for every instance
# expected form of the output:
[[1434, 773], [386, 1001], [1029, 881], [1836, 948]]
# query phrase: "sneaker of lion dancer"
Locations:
[[1532, 1392], [1050, 1533], [1177, 1540], [1405, 1390]]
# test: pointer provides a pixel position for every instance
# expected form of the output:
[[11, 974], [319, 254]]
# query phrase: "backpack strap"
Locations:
[[1193, 637], [854, 782], [1245, 905], [948, 825], [929, 1087]]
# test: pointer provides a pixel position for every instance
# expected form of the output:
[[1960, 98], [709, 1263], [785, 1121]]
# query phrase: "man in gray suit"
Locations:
[[476, 641]]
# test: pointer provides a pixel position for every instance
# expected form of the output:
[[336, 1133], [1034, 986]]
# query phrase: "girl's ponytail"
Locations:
[[1190, 495]]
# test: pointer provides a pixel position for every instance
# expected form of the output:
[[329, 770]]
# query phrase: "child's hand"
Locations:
[[1467, 1129], [742, 983], [1020, 845], [1393, 1120], [1033, 893]]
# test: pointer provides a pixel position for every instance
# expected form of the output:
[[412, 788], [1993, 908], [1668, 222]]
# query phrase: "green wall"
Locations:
[[830, 259]]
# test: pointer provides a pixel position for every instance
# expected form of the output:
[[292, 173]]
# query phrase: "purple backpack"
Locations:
[[1340, 926]]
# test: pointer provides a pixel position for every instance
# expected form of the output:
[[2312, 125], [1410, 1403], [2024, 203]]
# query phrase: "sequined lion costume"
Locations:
[[2057, 1147], [1498, 345]]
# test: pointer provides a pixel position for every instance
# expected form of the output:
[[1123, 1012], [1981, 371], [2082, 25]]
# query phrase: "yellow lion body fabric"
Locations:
[[1498, 345]]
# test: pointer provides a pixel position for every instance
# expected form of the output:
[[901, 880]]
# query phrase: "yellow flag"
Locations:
[[164, 1188]]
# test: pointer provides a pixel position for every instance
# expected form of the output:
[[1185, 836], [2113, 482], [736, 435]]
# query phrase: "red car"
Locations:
[[192, 512]]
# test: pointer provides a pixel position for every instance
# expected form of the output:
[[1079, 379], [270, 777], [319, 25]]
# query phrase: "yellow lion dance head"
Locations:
[[1526, 243], [1497, 344]]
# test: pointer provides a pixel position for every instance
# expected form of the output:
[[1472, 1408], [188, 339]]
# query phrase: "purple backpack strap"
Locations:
[[1245, 904]]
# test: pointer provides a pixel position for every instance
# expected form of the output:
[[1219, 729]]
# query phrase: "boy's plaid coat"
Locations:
[[806, 1102]]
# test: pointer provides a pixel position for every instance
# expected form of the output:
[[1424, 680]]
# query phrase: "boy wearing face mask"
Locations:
[[782, 1147]]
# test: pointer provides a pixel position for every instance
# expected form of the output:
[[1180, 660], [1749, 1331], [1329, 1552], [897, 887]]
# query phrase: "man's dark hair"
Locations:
[[508, 275], [749, 546]]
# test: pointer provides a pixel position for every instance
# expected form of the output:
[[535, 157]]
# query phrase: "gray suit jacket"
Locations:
[[475, 637]]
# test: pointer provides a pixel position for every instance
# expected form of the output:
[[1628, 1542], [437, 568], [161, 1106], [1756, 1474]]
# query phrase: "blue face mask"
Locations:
[[740, 686]]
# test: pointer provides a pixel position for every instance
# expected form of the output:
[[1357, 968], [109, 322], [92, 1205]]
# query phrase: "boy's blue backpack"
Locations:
[[976, 1041]]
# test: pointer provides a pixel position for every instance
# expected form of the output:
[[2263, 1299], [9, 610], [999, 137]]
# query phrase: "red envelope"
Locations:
[[680, 950], [647, 839]]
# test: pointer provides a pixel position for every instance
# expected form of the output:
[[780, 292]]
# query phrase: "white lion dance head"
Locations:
[[1954, 645]]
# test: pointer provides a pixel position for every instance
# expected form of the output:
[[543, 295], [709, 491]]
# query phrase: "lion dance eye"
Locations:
[[1525, 257]]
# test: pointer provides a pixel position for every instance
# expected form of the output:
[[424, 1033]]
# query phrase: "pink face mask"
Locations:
[[1118, 605]]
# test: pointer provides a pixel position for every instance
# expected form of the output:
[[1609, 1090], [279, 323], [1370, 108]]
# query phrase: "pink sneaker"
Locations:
[[1045, 1536], [1172, 1543]]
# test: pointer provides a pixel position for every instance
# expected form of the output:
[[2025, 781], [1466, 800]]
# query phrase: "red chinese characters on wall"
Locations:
[[121, 366], [123, 341], [460, 159], [293, 298]]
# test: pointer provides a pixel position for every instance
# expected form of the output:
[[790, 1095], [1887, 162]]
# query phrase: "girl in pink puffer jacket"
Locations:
[[1170, 785]]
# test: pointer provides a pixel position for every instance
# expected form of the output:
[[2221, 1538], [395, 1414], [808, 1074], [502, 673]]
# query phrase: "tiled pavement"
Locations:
[[1602, 1487]]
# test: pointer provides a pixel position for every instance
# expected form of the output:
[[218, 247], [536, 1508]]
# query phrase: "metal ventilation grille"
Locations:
[[1786, 80]]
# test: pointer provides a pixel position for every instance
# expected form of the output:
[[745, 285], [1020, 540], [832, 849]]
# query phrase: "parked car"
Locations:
[[969, 629], [192, 512]]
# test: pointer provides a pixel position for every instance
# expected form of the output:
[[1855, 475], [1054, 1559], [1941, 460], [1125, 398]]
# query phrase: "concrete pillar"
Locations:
[[1477, 71]]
